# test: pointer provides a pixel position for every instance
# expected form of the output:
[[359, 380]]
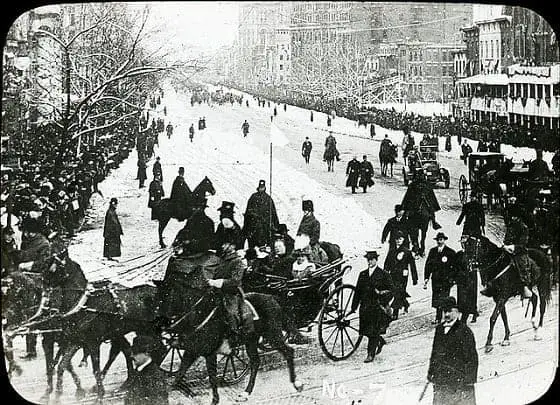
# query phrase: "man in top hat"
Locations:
[[112, 232], [228, 222], [148, 385], [156, 169], [311, 227], [306, 149], [373, 292], [142, 176], [473, 214], [440, 267], [399, 263], [180, 192], [197, 236], [261, 218], [395, 224], [454, 360]]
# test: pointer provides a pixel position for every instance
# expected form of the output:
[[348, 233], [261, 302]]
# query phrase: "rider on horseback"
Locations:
[[330, 144], [197, 235], [180, 192], [515, 243]]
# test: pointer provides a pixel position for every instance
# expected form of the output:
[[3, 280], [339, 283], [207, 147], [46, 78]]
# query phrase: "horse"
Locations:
[[166, 209], [387, 156], [199, 320], [492, 181], [330, 153], [497, 266], [87, 316]]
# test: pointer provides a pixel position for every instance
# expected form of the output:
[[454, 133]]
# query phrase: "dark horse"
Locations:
[[387, 156], [492, 181], [497, 266], [87, 315], [199, 320], [166, 209], [330, 153]]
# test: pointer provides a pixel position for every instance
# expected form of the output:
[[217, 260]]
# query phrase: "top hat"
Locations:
[[371, 254], [448, 302], [281, 229], [398, 208], [114, 201], [227, 207], [262, 184], [440, 235], [142, 344], [307, 205]]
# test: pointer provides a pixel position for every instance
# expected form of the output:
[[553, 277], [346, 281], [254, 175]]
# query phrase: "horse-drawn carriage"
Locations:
[[426, 161]]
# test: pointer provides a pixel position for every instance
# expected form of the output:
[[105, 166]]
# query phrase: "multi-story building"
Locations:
[[470, 37]]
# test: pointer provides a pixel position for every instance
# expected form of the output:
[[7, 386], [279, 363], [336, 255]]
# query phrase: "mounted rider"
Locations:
[[407, 142], [180, 192], [197, 236], [330, 144], [228, 278], [515, 243]]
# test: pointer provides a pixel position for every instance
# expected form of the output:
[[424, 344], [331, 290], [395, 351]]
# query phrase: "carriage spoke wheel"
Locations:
[[463, 189], [339, 335], [173, 355], [232, 368]]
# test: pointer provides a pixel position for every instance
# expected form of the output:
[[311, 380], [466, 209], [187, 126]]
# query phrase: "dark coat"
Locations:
[[420, 195], [392, 227], [440, 267], [197, 235], [353, 172], [473, 214], [306, 148], [373, 320], [231, 270], [36, 249], [454, 359], [180, 191], [142, 170], [147, 387], [448, 143], [399, 263], [311, 227], [517, 234], [112, 232], [156, 169], [467, 285], [366, 174], [10, 255], [156, 193], [482, 146], [219, 235], [258, 215], [538, 169]]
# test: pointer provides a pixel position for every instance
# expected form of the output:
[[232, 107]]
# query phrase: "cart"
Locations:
[[426, 161], [480, 164]]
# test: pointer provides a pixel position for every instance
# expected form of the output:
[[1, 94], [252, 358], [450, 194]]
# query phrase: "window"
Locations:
[[540, 90], [525, 92], [532, 91], [547, 90], [281, 67]]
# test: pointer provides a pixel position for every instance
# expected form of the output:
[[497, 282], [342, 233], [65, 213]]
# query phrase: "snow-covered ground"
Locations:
[[235, 165]]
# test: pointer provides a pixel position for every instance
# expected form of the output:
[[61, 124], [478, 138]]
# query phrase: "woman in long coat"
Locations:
[[112, 232]]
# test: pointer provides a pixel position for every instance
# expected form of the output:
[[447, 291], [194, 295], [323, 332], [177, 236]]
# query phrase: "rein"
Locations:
[[500, 257]]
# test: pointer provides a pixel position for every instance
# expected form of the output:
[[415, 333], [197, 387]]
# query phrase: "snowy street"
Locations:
[[235, 165]]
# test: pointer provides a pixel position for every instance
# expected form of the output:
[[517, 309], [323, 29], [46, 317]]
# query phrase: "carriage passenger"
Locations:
[[302, 267], [538, 168], [227, 221], [282, 233], [311, 227]]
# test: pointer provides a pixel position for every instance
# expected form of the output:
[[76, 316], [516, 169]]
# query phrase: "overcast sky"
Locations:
[[207, 25]]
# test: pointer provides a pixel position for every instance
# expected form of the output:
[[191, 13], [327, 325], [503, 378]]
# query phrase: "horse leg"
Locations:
[[424, 231], [162, 223], [534, 301], [488, 348], [212, 369], [95, 362], [48, 349], [254, 363], [503, 313]]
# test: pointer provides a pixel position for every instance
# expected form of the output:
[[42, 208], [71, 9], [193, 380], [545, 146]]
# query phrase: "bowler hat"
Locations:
[[142, 344], [440, 235], [399, 234], [448, 302], [262, 184], [307, 205], [226, 207], [371, 254]]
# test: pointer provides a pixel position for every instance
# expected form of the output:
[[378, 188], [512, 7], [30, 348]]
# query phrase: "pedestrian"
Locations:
[[440, 267], [169, 130], [372, 130], [306, 149], [398, 223], [353, 173], [156, 193], [200, 124], [454, 360], [448, 142], [112, 232], [227, 223], [311, 117], [147, 385], [247, 103], [191, 132], [366, 174], [156, 169], [373, 292], [285, 106], [466, 150], [467, 285], [261, 218], [473, 214], [275, 112], [400, 263], [142, 176], [329, 121], [245, 128]]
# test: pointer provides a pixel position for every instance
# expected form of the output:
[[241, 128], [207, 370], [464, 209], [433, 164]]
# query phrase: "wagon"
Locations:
[[428, 164], [480, 164]]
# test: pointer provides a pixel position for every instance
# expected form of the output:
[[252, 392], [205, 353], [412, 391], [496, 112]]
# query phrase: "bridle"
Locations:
[[483, 269]]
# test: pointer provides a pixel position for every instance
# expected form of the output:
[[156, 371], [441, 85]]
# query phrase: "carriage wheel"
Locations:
[[173, 355], [233, 367], [463, 189], [338, 333], [405, 176]]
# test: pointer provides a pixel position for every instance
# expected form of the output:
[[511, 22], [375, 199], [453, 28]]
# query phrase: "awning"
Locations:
[[500, 79]]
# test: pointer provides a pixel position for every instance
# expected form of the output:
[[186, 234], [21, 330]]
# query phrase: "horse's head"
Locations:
[[526, 163], [205, 187], [508, 164]]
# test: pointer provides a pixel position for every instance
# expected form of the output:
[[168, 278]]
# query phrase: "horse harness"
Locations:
[[500, 257]]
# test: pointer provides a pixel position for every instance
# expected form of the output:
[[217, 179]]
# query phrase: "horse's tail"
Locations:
[[544, 283]]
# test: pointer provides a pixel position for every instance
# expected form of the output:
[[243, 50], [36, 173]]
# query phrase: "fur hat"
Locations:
[[307, 205]]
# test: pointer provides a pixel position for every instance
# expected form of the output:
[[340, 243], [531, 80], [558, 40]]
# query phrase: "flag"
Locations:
[[277, 137]]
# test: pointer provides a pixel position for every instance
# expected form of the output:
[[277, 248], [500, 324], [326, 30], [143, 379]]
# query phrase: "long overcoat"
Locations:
[[391, 228], [156, 169], [366, 174], [373, 320], [399, 263], [112, 232], [198, 233], [440, 266], [147, 387], [353, 173], [420, 195], [260, 216], [453, 365], [311, 227], [467, 285], [156, 193], [473, 214]]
